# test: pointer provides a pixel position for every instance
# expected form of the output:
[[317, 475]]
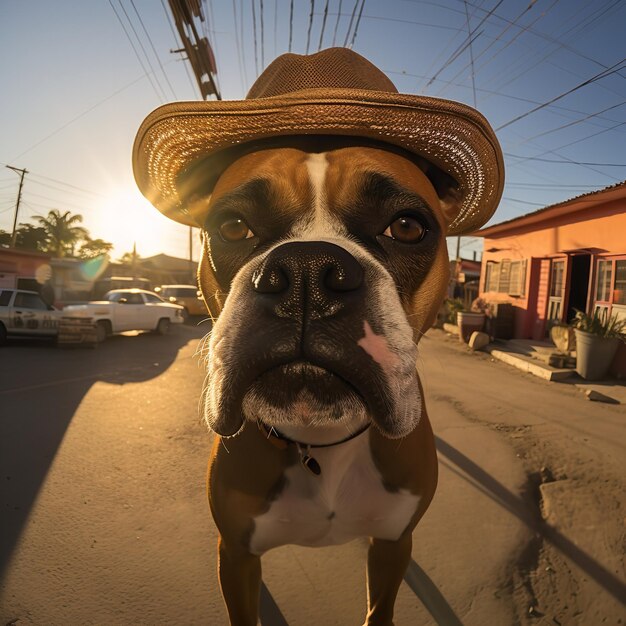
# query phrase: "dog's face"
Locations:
[[323, 269]]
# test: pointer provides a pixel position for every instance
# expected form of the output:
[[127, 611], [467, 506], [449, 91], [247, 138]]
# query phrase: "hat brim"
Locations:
[[453, 136]]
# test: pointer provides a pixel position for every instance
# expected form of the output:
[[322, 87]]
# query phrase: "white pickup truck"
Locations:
[[128, 309], [24, 313]]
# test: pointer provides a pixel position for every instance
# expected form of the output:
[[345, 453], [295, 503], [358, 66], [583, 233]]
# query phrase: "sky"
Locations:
[[547, 74]]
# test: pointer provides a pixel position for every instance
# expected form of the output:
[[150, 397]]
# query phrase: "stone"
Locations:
[[479, 340], [596, 396], [453, 329]]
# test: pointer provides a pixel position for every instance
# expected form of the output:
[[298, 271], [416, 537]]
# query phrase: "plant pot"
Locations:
[[468, 323], [594, 354]]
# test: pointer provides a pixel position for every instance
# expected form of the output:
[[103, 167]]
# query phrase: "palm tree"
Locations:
[[62, 231]]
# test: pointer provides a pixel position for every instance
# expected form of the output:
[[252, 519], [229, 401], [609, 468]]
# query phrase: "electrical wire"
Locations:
[[275, 27], [356, 4], [356, 27], [194, 87], [143, 67], [474, 34], [599, 76], [290, 24], [74, 119], [337, 22], [563, 161], [319, 46], [167, 80], [240, 52], [308, 34], [153, 72], [262, 37], [572, 123], [256, 58]]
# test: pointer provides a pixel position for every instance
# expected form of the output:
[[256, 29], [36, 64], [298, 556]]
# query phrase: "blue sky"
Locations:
[[74, 91]]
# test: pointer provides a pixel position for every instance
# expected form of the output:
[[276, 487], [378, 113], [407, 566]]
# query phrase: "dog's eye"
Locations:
[[406, 228], [235, 229]]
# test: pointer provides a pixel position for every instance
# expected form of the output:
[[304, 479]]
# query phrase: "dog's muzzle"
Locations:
[[300, 330]]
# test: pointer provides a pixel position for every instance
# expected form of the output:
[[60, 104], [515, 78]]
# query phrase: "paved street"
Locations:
[[104, 517]]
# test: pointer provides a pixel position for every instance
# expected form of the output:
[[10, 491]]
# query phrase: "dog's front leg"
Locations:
[[387, 562], [240, 581]]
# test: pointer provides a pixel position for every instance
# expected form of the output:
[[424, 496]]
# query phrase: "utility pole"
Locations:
[[23, 172]]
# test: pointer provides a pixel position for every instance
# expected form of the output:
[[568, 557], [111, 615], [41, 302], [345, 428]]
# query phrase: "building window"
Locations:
[[603, 285], [556, 279], [619, 289], [506, 277]]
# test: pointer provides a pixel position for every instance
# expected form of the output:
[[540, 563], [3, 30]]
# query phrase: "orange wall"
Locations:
[[602, 227]]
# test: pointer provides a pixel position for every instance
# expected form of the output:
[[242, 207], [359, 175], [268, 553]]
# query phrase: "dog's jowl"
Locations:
[[324, 199]]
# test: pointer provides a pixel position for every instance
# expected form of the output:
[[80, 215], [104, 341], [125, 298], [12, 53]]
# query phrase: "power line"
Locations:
[[290, 24], [572, 123], [240, 52], [497, 38], [74, 119], [256, 58], [567, 162], [474, 34], [593, 79], [471, 51], [308, 34], [167, 80], [169, 21], [319, 46], [356, 4], [356, 26], [337, 22], [143, 67], [262, 37]]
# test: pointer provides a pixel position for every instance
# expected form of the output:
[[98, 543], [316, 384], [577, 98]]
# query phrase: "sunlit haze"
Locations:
[[75, 92]]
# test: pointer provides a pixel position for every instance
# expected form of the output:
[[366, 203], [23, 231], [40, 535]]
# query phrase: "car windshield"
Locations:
[[179, 292]]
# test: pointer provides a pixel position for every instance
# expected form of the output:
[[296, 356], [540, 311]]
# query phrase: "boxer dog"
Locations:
[[324, 262]]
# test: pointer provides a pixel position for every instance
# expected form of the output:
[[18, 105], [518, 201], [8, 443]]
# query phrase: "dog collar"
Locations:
[[307, 461]]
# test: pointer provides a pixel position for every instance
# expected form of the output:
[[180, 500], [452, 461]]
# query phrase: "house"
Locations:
[[23, 269], [562, 258]]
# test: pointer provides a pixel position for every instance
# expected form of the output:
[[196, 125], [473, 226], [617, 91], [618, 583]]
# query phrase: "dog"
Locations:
[[324, 262]]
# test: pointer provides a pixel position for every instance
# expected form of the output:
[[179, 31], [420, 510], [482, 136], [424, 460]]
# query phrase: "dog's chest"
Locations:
[[348, 500]]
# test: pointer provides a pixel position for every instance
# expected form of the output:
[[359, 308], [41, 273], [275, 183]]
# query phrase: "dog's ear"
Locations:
[[446, 187]]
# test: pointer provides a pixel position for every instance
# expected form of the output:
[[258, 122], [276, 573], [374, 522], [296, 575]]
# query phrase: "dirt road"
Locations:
[[102, 463]]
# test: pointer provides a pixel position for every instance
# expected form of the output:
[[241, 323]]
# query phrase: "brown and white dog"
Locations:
[[325, 198], [334, 263]]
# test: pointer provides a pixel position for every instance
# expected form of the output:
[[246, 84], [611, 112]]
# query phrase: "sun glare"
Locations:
[[126, 218]]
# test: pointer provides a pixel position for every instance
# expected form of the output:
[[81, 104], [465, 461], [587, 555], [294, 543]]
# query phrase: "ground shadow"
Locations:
[[41, 387], [528, 514]]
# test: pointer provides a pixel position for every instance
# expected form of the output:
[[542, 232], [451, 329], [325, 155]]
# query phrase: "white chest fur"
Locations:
[[348, 500]]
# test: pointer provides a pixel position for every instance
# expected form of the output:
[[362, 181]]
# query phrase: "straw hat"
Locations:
[[335, 92]]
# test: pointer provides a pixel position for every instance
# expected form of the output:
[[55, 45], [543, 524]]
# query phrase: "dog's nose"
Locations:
[[308, 278]]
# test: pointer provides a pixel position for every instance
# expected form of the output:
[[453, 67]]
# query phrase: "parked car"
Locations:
[[187, 296], [129, 309], [24, 313]]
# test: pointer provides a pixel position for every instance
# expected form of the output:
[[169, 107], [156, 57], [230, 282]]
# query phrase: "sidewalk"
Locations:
[[533, 357]]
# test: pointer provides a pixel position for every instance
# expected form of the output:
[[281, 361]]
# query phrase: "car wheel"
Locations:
[[102, 331], [3, 334], [185, 315], [163, 326]]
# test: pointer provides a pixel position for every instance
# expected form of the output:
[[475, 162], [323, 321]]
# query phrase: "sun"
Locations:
[[125, 218]]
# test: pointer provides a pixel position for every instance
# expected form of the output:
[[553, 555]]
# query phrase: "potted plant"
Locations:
[[472, 320], [597, 339]]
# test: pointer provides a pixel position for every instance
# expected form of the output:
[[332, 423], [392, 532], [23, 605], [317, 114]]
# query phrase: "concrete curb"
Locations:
[[528, 364]]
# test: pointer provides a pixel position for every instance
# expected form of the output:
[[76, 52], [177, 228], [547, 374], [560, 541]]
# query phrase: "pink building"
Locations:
[[564, 257]]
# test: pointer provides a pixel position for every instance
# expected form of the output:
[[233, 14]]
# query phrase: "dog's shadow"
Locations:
[[41, 387]]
